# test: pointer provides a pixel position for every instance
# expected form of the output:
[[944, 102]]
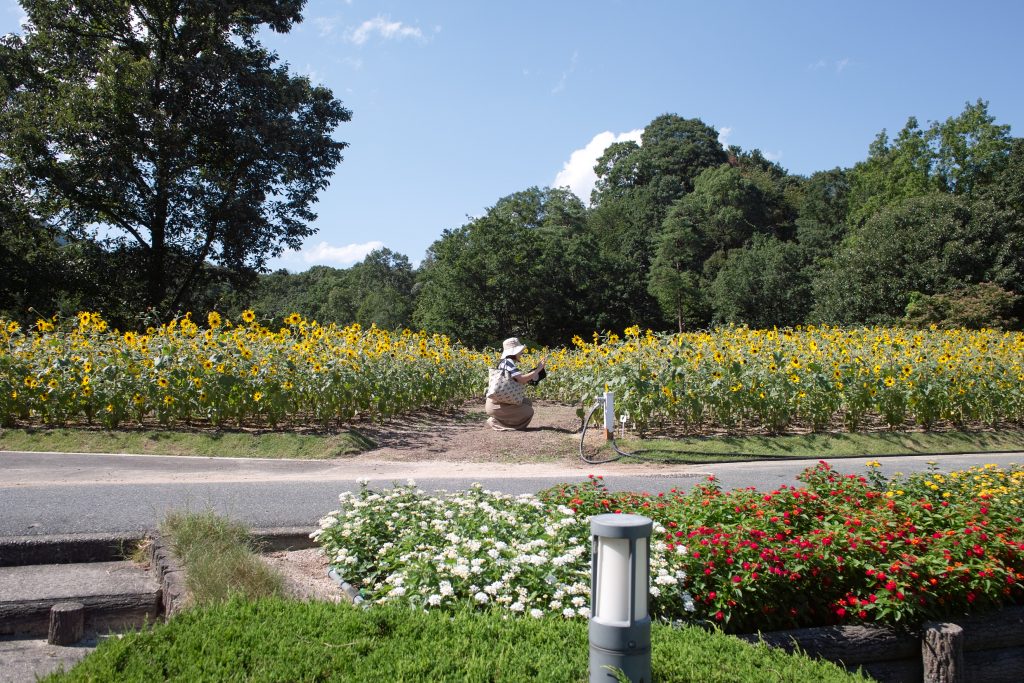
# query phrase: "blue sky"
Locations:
[[456, 104]]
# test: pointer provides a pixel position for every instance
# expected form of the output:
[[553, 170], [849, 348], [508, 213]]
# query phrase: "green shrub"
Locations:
[[277, 640]]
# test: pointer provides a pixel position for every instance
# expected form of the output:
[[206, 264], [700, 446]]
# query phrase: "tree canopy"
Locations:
[[162, 142], [164, 131]]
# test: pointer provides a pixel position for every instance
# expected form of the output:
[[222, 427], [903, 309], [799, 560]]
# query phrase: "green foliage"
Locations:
[[762, 284], [675, 275], [523, 269], [821, 222], [376, 291], [929, 244], [680, 232], [891, 173], [218, 558], [958, 155], [275, 640], [975, 306], [172, 128], [711, 249]]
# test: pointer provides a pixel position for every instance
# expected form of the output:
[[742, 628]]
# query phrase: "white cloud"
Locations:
[[839, 65], [578, 172], [326, 25], [329, 255], [560, 86], [772, 156], [723, 135], [385, 29]]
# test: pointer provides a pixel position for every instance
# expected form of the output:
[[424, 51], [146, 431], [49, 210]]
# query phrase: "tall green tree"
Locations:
[[970, 149], [524, 268], [932, 244], [725, 209], [637, 184], [957, 155], [892, 172], [168, 128], [675, 278], [822, 210], [762, 284], [382, 289]]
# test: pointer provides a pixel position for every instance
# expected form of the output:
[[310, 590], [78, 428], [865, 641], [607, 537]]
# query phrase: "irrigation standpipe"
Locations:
[[607, 402], [609, 414]]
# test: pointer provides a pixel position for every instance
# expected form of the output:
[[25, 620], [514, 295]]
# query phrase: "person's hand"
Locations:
[[540, 363]]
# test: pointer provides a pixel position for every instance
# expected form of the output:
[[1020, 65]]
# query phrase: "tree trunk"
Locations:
[[157, 284]]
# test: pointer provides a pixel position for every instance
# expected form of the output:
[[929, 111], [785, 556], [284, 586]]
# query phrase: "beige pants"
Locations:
[[511, 415]]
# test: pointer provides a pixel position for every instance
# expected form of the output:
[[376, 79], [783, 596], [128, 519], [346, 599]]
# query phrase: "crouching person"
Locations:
[[507, 405]]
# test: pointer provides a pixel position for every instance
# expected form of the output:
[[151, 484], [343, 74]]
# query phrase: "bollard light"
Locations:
[[620, 627]]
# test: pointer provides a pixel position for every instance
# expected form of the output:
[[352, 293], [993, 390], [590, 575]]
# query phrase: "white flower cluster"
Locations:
[[476, 547]]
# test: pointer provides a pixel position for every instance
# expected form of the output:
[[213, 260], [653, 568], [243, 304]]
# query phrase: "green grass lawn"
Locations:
[[818, 446], [291, 445], [283, 445]]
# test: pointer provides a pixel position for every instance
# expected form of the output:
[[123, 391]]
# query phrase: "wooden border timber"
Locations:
[[987, 648]]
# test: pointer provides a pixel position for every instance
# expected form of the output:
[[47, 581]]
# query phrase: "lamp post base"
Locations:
[[606, 665]]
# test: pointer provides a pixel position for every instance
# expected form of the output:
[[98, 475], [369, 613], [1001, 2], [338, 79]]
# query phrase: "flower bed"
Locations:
[[840, 549], [735, 377], [177, 374]]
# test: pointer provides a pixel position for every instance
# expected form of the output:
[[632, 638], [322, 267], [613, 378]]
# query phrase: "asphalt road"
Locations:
[[58, 493]]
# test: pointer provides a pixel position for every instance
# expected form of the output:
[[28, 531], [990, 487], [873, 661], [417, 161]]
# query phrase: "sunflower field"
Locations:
[[813, 376], [223, 374], [79, 370]]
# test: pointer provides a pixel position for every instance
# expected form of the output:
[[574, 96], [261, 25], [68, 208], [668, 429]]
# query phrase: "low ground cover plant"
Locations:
[[278, 640], [839, 549]]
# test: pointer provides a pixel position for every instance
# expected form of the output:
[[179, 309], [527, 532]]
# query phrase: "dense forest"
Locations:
[[125, 188], [681, 233]]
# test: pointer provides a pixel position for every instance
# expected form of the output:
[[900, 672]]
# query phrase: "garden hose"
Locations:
[[638, 455]]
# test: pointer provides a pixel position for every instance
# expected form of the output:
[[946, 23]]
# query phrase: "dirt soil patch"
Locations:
[[305, 574], [462, 435]]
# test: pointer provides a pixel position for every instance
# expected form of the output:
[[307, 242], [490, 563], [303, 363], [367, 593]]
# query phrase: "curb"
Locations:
[[17, 551]]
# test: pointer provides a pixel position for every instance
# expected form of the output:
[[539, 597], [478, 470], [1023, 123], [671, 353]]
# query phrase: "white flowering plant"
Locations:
[[478, 547]]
